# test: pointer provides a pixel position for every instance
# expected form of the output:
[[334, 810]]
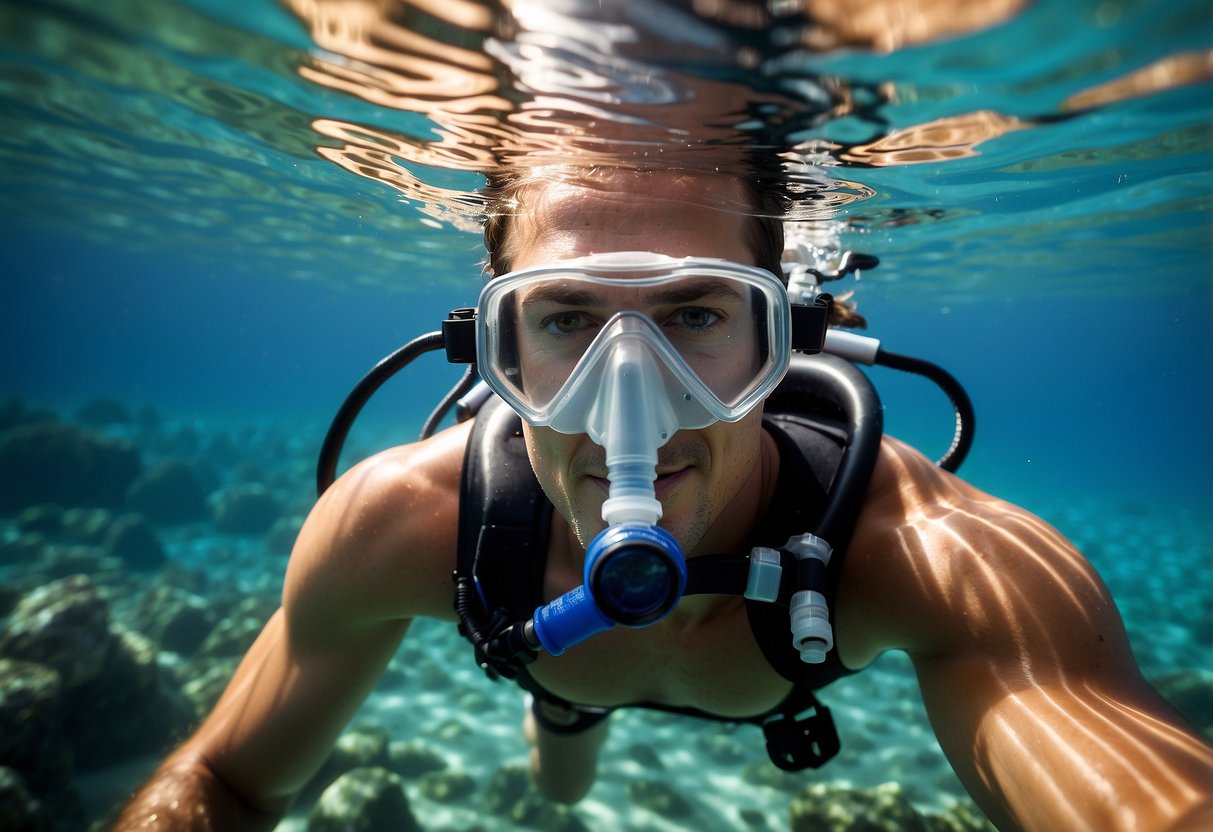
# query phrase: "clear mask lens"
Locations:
[[718, 332]]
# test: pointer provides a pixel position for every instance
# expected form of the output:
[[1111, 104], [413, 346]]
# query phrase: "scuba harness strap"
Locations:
[[504, 519]]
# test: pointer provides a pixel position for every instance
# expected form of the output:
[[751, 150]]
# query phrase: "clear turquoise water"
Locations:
[[161, 186], [171, 237]]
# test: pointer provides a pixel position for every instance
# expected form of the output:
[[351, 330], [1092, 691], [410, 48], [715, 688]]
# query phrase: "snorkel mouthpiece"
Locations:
[[635, 571], [634, 575]]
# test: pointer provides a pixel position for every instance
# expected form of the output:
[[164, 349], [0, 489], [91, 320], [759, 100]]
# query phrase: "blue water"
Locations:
[[171, 237], [1103, 396]]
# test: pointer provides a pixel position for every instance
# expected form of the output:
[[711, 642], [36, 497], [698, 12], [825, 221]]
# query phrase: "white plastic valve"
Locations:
[[812, 634], [764, 576], [858, 348]]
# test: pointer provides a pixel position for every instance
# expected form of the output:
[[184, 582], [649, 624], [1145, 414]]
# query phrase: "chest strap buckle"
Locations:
[[796, 742]]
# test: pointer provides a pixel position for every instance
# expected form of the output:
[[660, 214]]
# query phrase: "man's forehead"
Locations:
[[628, 202], [560, 213], [712, 191]]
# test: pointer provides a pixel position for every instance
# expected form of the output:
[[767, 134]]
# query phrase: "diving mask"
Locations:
[[718, 334]]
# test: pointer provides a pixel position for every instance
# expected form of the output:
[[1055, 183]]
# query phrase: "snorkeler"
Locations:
[[641, 380]]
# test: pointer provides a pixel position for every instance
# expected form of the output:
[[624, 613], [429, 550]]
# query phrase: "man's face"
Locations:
[[700, 472]]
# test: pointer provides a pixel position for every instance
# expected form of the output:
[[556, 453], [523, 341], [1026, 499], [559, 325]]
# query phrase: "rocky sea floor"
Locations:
[[139, 557]]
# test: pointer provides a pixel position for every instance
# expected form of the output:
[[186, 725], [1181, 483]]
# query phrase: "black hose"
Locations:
[[471, 613], [334, 440], [966, 420], [448, 401], [852, 395]]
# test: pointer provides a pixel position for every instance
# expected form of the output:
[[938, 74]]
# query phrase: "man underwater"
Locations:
[[1021, 657]]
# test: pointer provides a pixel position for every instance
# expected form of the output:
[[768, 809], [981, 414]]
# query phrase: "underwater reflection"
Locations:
[[656, 84], [132, 118], [699, 85]]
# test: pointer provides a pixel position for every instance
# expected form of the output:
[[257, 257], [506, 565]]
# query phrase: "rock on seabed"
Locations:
[[822, 807], [369, 799], [64, 464]]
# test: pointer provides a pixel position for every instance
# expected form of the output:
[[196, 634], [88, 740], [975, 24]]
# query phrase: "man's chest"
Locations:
[[712, 664]]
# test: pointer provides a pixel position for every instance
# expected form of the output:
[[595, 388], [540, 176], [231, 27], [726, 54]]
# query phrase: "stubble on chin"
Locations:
[[687, 509], [578, 490], [559, 484]]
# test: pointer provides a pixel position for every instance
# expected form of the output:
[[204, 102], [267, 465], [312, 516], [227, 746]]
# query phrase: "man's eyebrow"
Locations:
[[562, 295], [683, 292], [697, 290]]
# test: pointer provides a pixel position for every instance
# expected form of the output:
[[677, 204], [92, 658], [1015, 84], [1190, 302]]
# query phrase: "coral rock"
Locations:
[[35, 761], [821, 807], [659, 798], [246, 509], [63, 625], [176, 620], [103, 411], [364, 800], [53, 462], [364, 746], [511, 794], [169, 493], [132, 541], [447, 786], [115, 704], [411, 759]]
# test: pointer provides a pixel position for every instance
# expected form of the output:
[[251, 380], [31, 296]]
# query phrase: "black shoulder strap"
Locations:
[[837, 398], [827, 420], [504, 523], [825, 417]]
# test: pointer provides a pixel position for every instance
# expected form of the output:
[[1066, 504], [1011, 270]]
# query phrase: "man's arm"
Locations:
[[269, 733], [1023, 662], [377, 549], [1078, 752]]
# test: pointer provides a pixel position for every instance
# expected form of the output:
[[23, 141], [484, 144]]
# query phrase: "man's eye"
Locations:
[[696, 318], [564, 323]]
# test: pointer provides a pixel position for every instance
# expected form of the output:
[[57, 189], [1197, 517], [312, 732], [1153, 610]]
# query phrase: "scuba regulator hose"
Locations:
[[962, 437], [339, 430], [864, 350]]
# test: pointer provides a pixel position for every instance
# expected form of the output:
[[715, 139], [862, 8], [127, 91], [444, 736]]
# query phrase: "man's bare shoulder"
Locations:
[[380, 543], [938, 565]]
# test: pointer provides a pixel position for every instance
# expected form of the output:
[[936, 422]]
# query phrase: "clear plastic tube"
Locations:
[[631, 419]]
